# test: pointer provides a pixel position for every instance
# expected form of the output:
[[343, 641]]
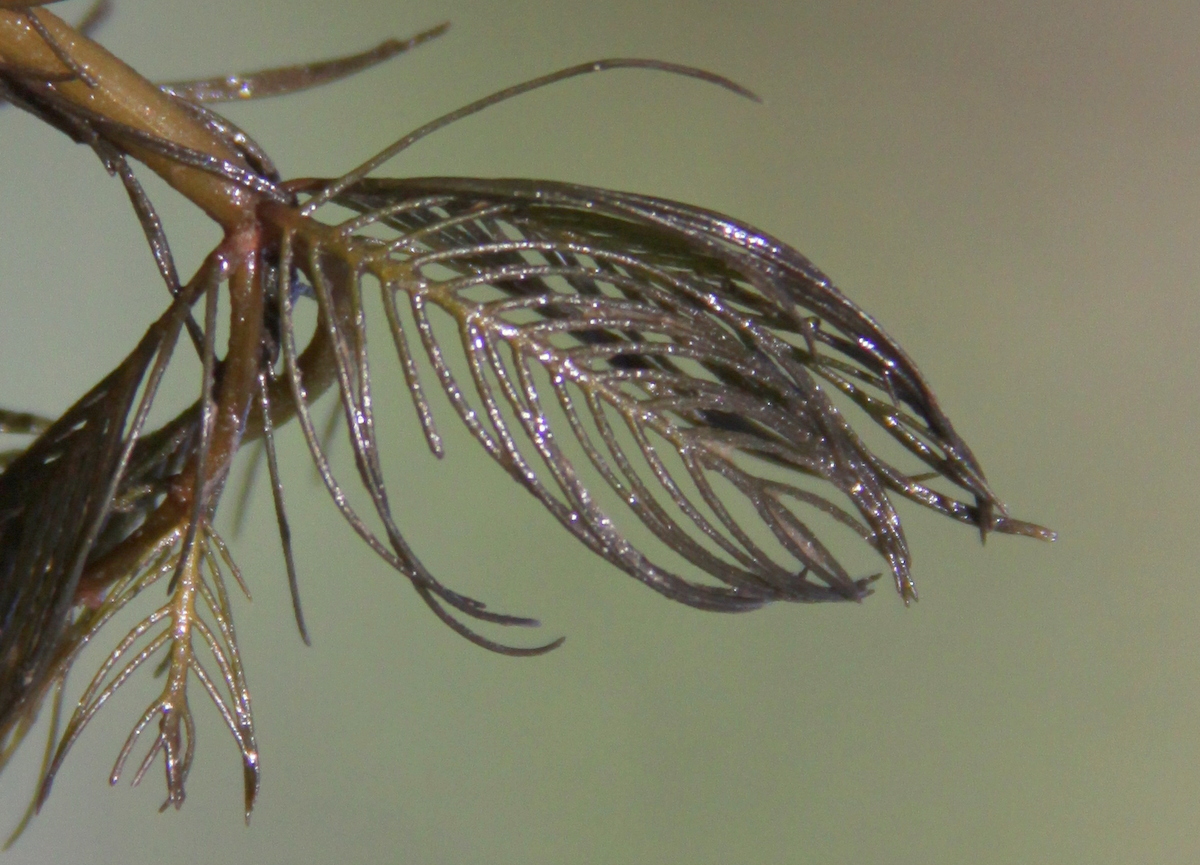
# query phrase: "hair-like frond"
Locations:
[[56, 500], [638, 326]]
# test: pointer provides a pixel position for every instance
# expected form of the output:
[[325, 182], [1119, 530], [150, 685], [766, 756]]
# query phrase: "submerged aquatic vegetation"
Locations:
[[605, 348]]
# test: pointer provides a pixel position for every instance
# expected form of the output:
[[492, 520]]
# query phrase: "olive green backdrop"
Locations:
[[1012, 189]]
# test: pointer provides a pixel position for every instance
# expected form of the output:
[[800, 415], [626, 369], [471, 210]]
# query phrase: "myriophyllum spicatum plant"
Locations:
[[632, 362]]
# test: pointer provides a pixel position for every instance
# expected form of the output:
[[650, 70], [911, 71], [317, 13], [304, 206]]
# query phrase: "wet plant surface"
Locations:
[[547, 318]]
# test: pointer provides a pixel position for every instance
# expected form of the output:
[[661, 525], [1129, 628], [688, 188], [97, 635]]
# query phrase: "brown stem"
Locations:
[[243, 359], [120, 94]]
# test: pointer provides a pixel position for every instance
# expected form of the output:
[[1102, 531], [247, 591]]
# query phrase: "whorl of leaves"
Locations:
[[606, 349], [680, 390]]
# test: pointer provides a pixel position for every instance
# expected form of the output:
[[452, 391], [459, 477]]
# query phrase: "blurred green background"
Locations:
[[1012, 189]]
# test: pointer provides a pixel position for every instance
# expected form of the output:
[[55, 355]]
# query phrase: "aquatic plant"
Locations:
[[628, 360]]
